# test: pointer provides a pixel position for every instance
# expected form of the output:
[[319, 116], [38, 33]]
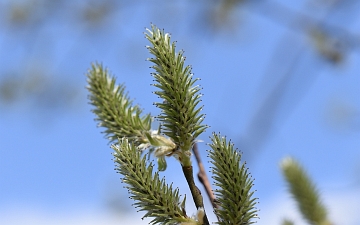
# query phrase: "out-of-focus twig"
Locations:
[[304, 23], [261, 125]]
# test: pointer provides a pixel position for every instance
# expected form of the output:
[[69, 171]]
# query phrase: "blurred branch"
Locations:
[[329, 47], [261, 124], [297, 21]]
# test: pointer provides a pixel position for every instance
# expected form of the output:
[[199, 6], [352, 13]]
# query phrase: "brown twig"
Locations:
[[203, 178]]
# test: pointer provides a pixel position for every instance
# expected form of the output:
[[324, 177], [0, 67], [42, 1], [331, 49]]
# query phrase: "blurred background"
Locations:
[[280, 78]]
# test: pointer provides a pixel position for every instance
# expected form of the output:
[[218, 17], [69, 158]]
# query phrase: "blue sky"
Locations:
[[56, 167]]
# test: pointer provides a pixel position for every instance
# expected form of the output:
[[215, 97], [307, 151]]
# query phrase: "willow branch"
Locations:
[[195, 192], [202, 176]]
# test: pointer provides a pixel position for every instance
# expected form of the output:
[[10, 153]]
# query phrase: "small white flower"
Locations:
[[200, 215], [198, 219]]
